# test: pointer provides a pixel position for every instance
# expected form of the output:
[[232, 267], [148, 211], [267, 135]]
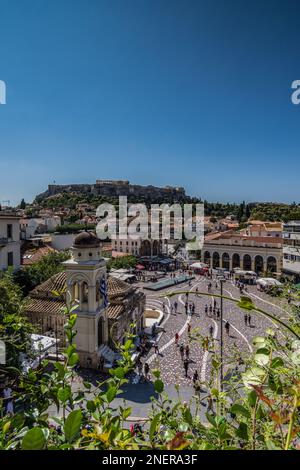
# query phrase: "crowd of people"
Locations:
[[211, 310]]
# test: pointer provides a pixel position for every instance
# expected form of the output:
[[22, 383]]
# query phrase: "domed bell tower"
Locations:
[[86, 284]]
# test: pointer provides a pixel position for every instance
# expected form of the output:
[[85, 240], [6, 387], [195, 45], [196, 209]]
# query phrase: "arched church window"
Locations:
[[85, 292], [98, 291], [75, 291]]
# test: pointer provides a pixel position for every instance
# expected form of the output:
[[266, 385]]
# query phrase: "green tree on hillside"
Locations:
[[23, 204], [124, 262], [31, 276]]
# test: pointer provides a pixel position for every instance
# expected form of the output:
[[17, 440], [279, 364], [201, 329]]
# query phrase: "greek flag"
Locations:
[[103, 291]]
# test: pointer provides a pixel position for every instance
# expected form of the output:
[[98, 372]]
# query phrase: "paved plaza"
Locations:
[[237, 344]]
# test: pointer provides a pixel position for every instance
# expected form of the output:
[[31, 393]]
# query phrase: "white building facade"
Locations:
[[229, 251], [291, 249], [10, 244]]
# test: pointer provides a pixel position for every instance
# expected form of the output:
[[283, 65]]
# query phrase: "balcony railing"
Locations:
[[3, 241]]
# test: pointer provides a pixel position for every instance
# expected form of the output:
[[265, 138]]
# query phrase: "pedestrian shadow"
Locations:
[[139, 393]]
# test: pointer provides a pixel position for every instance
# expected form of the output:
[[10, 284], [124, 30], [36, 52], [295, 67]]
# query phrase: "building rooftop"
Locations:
[[9, 215], [43, 299], [292, 222], [234, 236], [33, 254]]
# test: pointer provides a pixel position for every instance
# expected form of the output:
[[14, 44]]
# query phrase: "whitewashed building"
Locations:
[[291, 249], [9, 241], [230, 250]]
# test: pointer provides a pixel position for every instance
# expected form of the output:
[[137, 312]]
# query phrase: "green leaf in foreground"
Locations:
[[246, 303], [239, 409], [34, 439], [242, 431], [158, 386], [72, 425], [153, 426]]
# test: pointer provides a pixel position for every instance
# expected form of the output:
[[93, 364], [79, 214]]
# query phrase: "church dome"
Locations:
[[86, 240]]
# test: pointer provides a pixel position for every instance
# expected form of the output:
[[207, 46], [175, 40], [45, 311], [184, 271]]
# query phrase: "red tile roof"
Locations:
[[230, 235], [32, 255]]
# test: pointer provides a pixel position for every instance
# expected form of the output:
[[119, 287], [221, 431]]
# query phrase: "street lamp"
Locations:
[[222, 279]]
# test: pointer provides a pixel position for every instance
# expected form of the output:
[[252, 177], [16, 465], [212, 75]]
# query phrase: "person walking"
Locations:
[[140, 367], [187, 351], [146, 371], [206, 310], [175, 306], [218, 313], [189, 328], [210, 309], [249, 319], [176, 339], [246, 319], [195, 377], [211, 331], [181, 350], [227, 327], [156, 348], [186, 366]]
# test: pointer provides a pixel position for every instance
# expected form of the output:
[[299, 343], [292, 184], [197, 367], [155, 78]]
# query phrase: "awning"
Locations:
[[198, 265], [166, 261], [122, 276], [140, 267], [267, 281]]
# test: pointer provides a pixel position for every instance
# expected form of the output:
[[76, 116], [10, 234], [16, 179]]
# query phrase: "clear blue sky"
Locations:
[[180, 92]]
